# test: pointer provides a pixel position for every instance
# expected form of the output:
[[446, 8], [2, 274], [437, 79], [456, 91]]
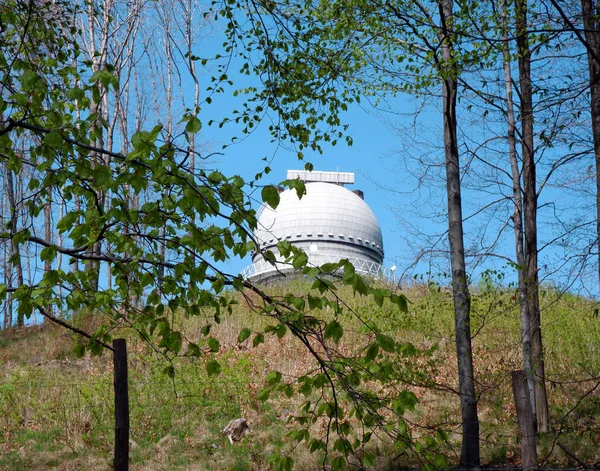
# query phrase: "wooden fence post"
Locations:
[[121, 461], [525, 418]]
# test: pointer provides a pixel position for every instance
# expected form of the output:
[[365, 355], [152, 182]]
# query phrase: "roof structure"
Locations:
[[339, 178]]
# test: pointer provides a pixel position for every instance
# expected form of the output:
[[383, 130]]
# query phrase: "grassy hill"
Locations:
[[56, 410]]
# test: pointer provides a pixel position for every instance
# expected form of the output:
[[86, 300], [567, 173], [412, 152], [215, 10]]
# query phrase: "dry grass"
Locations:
[[56, 410]]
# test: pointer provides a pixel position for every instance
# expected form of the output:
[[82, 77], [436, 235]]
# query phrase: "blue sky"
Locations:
[[386, 154], [386, 157], [370, 158]]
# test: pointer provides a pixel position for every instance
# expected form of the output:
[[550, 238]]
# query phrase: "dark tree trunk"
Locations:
[[528, 364], [530, 214], [591, 22], [469, 457]]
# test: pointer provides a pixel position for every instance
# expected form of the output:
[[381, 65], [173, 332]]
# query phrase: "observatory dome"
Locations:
[[329, 223]]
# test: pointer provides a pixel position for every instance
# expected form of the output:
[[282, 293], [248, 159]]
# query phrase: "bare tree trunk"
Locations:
[[528, 364], [188, 12], [591, 23], [48, 232], [74, 262], [7, 320], [59, 241], [167, 15], [469, 456], [14, 252], [530, 214], [48, 227], [96, 56]]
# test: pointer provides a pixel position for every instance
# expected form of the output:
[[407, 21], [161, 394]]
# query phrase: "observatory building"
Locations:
[[330, 223]]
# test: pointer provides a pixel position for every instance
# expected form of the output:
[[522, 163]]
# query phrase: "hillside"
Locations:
[[56, 409]]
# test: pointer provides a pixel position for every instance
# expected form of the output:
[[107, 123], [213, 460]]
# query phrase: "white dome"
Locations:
[[329, 223]]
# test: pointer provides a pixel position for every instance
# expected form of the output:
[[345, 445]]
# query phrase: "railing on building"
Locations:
[[362, 266]]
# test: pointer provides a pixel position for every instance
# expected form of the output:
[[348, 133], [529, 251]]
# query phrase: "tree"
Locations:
[[517, 217], [530, 206], [469, 457], [590, 39], [61, 106], [591, 22]]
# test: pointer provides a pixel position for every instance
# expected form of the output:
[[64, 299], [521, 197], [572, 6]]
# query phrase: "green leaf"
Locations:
[[75, 93], [296, 184], [338, 464], [440, 462], [269, 256], [48, 254], [53, 139], [258, 339], [95, 348], [280, 330], [213, 368], [169, 371], [67, 222], [305, 389], [175, 341], [79, 350], [369, 459], [213, 344], [194, 125], [273, 378], [358, 285], [407, 350], [244, 334], [316, 445], [408, 399], [330, 267], [372, 352], [299, 260], [270, 195], [194, 350], [218, 284], [334, 330], [386, 342], [263, 395], [286, 464], [401, 301]]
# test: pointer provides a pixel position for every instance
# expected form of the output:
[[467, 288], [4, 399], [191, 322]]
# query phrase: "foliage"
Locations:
[[145, 261]]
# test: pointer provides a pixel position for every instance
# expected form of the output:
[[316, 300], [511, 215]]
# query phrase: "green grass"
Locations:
[[176, 424]]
